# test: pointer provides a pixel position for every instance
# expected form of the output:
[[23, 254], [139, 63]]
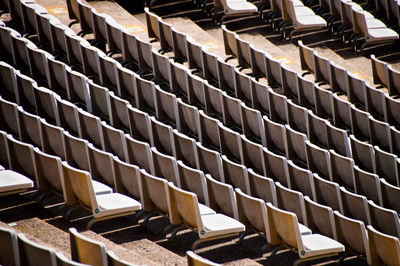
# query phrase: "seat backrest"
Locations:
[[367, 184], [154, 191], [385, 249], [328, 193], [307, 58], [342, 170], [389, 195], [194, 259], [32, 253], [235, 174], [320, 218], [101, 166], [301, 180], [86, 250], [165, 166], [355, 206], [262, 187], [139, 153], [380, 71], [127, 178], [222, 197], [22, 159], [291, 201], [230, 42], [193, 180], [9, 254], [153, 24], [276, 167], [252, 212], [383, 219]]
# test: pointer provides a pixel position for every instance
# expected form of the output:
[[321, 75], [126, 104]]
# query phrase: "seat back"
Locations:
[[153, 193], [385, 249], [49, 173], [194, 181], [9, 254], [222, 197], [86, 250], [127, 178], [194, 259], [320, 218], [32, 253], [384, 220]]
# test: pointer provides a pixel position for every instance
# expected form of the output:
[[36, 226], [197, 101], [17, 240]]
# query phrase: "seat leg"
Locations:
[[175, 231], [167, 229], [241, 237], [264, 248], [67, 214], [147, 218], [41, 198], [274, 251], [91, 223]]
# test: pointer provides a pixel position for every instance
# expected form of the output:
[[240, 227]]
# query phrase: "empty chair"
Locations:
[[165, 167], [139, 153], [235, 8], [210, 162], [367, 184], [393, 106], [342, 112], [285, 229], [167, 108], [338, 140], [355, 206], [376, 104], [384, 220], [394, 88], [380, 134], [24, 165], [389, 195], [320, 218], [317, 131], [260, 99], [25, 91], [184, 209], [232, 113], [145, 98], [78, 92], [126, 178], [384, 248], [10, 122], [32, 253], [30, 128], [46, 104], [140, 124], [275, 136], [193, 180], [301, 179], [163, 137], [209, 131], [363, 154], [222, 197], [194, 259], [307, 59], [318, 160], [114, 141], [278, 107], [276, 167], [360, 124], [274, 73], [297, 117], [53, 140], [91, 129], [12, 182], [185, 149], [235, 174], [296, 149], [230, 143], [253, 157], [86, 250], [101, 166], [188, 119], [9, 254], [387, 166], [120, 113], [352, 234], [327, 193], [342, 170], [100, 101], [262, 187], [253, 125], [79, 189], [241, 86]]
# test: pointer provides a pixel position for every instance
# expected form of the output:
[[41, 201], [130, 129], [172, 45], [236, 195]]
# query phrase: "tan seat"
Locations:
[[195, 260], [32, 253], [385, 249], [9, 254]]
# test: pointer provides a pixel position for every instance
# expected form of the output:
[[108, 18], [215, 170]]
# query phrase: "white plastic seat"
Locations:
[[12, 182]]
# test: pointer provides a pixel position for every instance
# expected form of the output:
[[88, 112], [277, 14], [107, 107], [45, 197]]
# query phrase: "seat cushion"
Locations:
[[219, 224], [10, 180]]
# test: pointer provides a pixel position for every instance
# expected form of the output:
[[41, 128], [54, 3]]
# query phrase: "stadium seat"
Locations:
[[275, 135], [235, 174], [30, 128], [185, 149], [13, 183], [384, 248], [253, 157], [165, 167], [120, 113], [114, 141], [384, 220], [296, 146], [9, 254], [363, 154], [126, 178], [230, 143], [140, 124], [276, 167], [194, 259], [297, 117], [355, 206], [163, 137], [342, 170], [24, 165], [32, 253], [301, 180], [101, 166], [317, 131], [86, 250], [389, 194], [139, 153], [188, 118], [10, 122], [387, 166], [327, 193], [367, 184], [222, 197], [210, 161], [318, 160], [194, 181], [320, 218]]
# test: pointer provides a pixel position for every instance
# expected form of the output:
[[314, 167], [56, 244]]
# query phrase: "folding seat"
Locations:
[[395, 139], [118, 109], [79, 189], [57, 77], [342, 113], [290, 85], [9, 254], [13, 182], [108, 73], [63, 261], [213, 104], [74, 46], [114, 141], [78, 92], [320, 218], [185, 209], [165, 167], [154, 196], [275, 135], [296, 146], [196, 94], [86, 20], [278, 108], [318, 160], [126, 83], [352, 234], [31, 130], [101, 166], [258, 62], [386, 166], [100, 21], [145, 97], [57, 34], [38, 67], [358, 92], [342, 170], [4, 156], [307, 60], [297, 117], [100, 101], [114, 37], [389, 194], [232, 112], [140, 124], [32, 253], [307, 93], [260, 99], [235, 174], [274, 73], [68, 117], [376, 104], [126, 178], [25, 92], [167, 107], [360, 124], [77, 151], [325, 103], [242, 88], [194, 181], [209, 67], [384, 248], [145, 60], [292, 201], [367, 184], [210, 162], [24, 165], [317, 131], [194, 259], [46, 104], [10, 122], [139, 153], [392, 113], [130, 53], [338, 140], [327, 193], [8, 83], [276, 167], [162, 137], [340, 81], [324, 70], [371, 32], [253, 156], [253, 125], [383, 219], [230, 43], [48, 174], [363, 154], [185, 149], [161, 68], [53, 140], [179, 80], [284, 228], [188, 119], [6, 38], [73, 13], [153, 23], [380, 134], [230, 143], [355, 206], [301, 180], [91, 61], [91, 129], [393, 76]]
